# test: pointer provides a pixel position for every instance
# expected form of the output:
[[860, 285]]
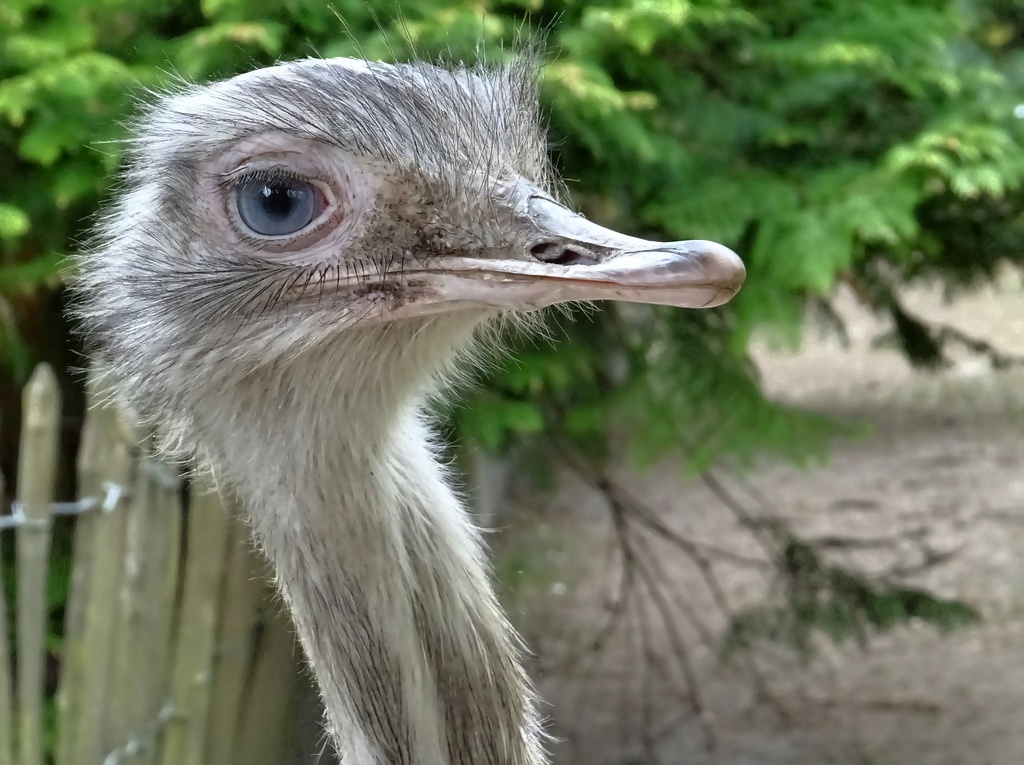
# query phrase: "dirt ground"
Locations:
[[938, 481]]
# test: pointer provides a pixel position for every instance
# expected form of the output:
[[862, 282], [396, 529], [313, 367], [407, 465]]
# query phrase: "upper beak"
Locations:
[[569, 258]]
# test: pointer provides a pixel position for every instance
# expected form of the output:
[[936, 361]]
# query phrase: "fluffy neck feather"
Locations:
[[383, 571]]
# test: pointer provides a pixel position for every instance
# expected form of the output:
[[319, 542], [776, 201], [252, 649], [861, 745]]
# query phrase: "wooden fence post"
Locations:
[[243, 587], [184, 738], [6, 699], [98, 566], [70, 694], [268, 700], [164, 591], [134, 635], [37, 469]]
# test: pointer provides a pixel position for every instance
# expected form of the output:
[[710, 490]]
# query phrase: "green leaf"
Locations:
[[43, 143], [14, 222]]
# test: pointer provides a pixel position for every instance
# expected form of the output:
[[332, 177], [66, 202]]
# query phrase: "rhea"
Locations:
[[296, 260]]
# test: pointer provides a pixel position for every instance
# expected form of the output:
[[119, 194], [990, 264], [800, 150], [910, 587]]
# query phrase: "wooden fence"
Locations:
[[175, 652]]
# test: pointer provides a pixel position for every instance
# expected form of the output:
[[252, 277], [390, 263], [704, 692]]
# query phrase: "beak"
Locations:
[[568, 258]]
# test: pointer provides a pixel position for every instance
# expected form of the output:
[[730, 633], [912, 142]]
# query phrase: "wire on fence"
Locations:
[[113, 494], [144, 739]]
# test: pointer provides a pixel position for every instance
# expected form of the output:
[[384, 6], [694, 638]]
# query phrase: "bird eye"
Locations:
[[280, 206]]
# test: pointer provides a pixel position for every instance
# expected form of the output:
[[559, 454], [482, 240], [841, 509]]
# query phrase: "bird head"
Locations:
[[323, 202]]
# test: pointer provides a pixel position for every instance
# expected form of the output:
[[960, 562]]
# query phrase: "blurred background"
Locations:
[[785, 531]]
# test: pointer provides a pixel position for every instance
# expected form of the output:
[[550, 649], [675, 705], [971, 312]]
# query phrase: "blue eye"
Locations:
[[278, 207]]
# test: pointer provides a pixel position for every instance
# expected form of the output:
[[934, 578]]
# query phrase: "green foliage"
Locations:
[[828, 599], [659, 380], [818, 139]]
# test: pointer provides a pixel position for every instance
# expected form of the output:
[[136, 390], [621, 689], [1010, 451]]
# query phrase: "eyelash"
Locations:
[[236, 181]]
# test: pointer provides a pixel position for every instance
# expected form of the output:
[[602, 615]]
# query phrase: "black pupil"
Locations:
[[279, 200]]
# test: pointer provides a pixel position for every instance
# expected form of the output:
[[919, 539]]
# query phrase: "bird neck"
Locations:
[[387, 582]]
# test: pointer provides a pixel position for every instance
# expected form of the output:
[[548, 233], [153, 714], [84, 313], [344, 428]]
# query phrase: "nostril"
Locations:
[[559, 255]]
